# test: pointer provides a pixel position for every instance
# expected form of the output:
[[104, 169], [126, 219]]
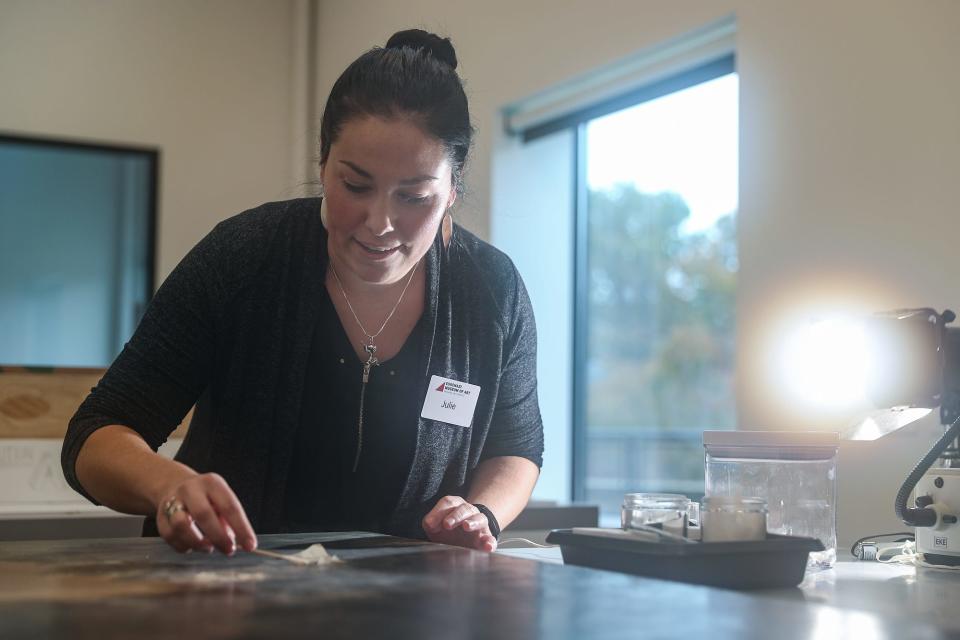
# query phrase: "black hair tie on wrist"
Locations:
[[491, 519]]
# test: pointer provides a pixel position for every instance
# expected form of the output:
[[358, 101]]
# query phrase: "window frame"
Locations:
[[678, 81]]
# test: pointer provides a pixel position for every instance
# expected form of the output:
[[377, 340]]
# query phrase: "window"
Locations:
[[626, 178], [657, 264]]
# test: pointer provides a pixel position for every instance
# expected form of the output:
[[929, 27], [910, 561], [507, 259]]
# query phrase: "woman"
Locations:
[[357, 361]]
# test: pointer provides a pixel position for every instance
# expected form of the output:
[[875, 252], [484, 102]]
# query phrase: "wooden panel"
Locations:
[[38, 402]]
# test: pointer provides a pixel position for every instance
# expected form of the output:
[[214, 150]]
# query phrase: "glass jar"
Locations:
[[726, 518], [671, 512], [795, 472]]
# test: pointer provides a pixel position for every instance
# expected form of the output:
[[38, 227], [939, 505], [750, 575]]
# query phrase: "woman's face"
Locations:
[[387, 185]]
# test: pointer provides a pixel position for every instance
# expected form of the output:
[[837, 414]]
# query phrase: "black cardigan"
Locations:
[[230, 330]]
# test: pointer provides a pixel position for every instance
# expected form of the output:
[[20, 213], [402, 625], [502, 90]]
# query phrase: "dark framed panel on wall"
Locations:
[[78, 225]]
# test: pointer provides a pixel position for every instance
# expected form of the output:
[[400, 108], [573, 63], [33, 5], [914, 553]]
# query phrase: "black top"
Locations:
[[230, 331], [324, 492]]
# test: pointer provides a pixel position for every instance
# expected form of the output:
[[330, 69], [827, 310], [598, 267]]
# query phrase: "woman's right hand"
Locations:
[[202, 513]]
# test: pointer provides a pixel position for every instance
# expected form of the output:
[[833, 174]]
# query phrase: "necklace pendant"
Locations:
[[371, 350], [371, 362]]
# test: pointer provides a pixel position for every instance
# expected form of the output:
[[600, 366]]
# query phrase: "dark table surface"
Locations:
[[385, 587]]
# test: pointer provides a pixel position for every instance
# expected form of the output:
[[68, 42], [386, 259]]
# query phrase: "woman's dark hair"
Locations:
[[414, 75]]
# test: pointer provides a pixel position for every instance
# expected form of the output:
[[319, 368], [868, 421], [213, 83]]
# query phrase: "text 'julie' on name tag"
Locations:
[[450, 401]]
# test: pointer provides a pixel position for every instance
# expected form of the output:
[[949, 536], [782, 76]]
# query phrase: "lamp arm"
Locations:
[[924, 517]]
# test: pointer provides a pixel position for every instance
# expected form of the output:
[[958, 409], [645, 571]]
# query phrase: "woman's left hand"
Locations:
[[455, 521]]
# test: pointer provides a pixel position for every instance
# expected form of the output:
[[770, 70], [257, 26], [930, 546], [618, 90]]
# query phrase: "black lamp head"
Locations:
[[914, 359]]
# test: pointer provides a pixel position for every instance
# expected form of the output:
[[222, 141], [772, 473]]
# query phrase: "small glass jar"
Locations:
[[670, 512], [726, 518]]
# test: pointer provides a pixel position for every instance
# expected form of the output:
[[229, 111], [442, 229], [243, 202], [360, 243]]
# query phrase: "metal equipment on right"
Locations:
[[915, 362]]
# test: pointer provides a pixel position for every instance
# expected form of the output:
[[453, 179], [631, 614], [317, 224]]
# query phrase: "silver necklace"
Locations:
[[370, 347]]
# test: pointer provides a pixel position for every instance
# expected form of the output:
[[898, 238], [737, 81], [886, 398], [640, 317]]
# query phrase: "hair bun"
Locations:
[[440, 48]]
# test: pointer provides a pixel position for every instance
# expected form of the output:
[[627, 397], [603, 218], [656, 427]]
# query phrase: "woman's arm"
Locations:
[[513, 446], [149, 388], [502, 484], [116, 466]]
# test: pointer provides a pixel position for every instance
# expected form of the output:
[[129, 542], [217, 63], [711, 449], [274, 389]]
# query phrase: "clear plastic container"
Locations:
[[795, 472], [671, 512], [729, 519]]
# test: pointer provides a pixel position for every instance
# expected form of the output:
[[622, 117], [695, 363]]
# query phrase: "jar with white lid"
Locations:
[[730, 518], [795, 472]]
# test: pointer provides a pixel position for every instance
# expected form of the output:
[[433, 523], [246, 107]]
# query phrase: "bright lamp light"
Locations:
[[825, 364]]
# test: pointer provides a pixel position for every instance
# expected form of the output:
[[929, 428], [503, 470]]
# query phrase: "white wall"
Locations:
[[849, 156], [533, 189], [210, 83], [849, 153]]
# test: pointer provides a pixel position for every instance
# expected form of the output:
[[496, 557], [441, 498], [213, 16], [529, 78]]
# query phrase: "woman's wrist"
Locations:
[[165, 489], [492, 523]]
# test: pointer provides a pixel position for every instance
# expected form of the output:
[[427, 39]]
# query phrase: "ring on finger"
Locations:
[[171, 506]]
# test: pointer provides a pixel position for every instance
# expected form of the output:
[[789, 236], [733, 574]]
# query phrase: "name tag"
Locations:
[[450, 401]]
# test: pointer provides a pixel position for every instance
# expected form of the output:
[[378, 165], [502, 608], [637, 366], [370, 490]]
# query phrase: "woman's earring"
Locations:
[[446, 228], [323, 205]]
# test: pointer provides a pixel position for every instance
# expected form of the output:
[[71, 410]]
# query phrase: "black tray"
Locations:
[[779, 561]]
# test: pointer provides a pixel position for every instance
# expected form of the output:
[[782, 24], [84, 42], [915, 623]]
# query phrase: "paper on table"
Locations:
[[315, 554]]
